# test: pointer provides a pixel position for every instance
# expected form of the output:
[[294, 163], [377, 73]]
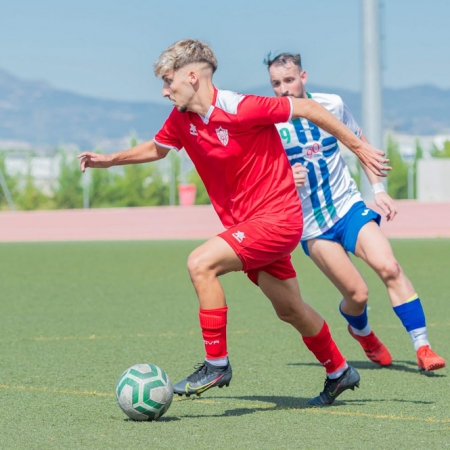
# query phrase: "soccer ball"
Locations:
[[144, 392]]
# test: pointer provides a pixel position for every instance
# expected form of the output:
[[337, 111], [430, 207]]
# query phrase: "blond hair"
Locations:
[[182, 53]]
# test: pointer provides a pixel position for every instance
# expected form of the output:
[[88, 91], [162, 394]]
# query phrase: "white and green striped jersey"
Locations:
[[329, 191]]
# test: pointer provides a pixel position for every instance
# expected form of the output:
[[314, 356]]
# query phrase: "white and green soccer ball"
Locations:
[[144, 392]]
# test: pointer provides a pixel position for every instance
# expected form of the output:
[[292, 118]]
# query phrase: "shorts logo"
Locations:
[[222, 134], [193, 130], [239, 236], [365, 212], [312, 150]]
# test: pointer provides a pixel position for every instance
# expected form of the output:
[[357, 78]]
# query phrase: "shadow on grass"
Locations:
[[423, 372], [161, 419], [388, 400], [278, 403], [402, 366]]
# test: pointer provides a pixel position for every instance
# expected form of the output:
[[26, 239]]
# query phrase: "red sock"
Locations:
[[325, 349], [214, 329]]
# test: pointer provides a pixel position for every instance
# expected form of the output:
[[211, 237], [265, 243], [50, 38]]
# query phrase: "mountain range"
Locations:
[[35, 113]]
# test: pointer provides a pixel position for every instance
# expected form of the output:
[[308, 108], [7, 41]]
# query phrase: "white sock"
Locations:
[[220, 362], [337, 373], [419, 337], [364, 332]]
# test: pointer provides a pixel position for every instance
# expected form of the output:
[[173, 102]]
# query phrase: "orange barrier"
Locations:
[[186, 194]]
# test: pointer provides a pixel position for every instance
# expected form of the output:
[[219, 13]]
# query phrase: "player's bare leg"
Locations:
[[334, 262], [374, 248], [290, 307], [288, 304], [205, 264]]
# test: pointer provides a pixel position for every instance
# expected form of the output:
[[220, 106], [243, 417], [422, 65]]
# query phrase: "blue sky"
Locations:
[[106, 48]]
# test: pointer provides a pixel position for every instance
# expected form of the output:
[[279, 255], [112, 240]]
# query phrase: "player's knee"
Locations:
[[390, 270], [291, 315], [360, 295], [286, 316], [198, 265]]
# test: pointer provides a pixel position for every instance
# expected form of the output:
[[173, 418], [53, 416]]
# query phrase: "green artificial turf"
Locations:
[[74, 316]]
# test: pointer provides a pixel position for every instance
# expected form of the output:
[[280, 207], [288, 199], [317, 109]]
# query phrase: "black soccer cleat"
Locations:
[[333, 388], [205, 377]]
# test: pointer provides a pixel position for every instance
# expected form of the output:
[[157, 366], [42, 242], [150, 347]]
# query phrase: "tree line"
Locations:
[[147, 185], [404, 172], [127, 186]]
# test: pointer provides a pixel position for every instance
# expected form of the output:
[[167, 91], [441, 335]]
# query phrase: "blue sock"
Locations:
[[411, 314], [357, 322], [413, 319]]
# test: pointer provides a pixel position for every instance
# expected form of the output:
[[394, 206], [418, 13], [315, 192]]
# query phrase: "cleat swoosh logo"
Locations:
[[203, 387], [332, 394]]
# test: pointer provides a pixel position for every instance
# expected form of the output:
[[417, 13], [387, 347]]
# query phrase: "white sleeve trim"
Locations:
[[167, 146], [292, 109]]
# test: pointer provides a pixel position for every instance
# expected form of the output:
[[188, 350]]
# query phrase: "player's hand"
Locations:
[[387, 205], [94, 160], [299, 171], [374, 159]]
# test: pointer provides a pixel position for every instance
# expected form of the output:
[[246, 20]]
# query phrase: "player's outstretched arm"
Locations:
[[141, 153], [368, 155]]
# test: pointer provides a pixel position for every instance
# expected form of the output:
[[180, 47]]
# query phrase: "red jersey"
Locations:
[[239, 156]]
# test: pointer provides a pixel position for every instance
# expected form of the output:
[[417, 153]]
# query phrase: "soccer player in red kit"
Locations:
[[235, 147]]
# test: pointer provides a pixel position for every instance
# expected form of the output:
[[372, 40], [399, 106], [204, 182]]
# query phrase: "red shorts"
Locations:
[[263, 246]]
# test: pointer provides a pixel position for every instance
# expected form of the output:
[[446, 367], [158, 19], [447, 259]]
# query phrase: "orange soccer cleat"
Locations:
[[428, 360], [375, 350]]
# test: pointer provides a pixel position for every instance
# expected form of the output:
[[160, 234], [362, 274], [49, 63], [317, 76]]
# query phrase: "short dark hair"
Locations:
[[282, 58]]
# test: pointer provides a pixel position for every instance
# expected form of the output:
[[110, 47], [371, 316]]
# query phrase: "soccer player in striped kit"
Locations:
[[337, 221], [234, 145]]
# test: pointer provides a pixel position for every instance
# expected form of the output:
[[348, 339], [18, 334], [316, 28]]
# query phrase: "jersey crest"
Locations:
[[222, 134]]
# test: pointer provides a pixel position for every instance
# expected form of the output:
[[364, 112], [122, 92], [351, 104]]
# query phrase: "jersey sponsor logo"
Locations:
[[365, 212], [239, 236], [313, 150], [222, 134], [193, 130]]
